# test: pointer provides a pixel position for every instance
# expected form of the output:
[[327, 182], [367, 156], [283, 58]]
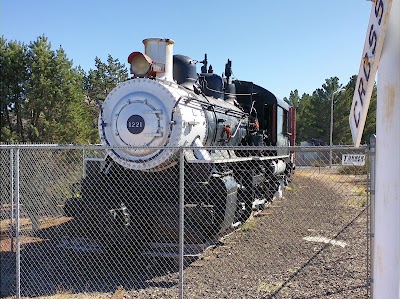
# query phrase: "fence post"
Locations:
[[17, 227], [181, 220], [83, 162], [12, 200], [372, 156]]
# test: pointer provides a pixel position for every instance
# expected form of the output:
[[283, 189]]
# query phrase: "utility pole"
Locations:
[[331, 128]]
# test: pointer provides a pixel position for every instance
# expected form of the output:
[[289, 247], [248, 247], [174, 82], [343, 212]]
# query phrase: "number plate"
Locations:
[[135, 124]]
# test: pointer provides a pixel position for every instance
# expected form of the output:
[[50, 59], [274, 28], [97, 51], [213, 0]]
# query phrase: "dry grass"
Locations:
[[26, 223], [269, 288], [347, 184], [5, 243], [358, 202], [119, 293], [248, 225]]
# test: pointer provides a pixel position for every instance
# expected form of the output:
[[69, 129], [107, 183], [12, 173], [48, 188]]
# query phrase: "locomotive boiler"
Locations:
[[224, 126]]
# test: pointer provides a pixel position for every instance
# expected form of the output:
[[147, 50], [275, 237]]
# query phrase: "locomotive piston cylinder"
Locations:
[[278, 167]]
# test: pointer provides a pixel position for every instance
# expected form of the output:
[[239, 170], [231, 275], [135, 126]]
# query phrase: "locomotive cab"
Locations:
[[271, 113]]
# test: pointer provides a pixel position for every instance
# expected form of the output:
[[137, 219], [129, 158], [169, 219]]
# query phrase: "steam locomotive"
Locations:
[[224, 124]]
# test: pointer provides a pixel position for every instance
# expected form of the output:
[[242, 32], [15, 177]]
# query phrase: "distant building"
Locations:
[[311, 158]]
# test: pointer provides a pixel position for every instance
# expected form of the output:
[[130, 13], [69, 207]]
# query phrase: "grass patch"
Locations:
[[355, 170], [63, 294], [269, 287], [291, 271], [360, 191], [292, 186], [60, 294], [248, 225], [119, 293], [357, 202], [304, 173]]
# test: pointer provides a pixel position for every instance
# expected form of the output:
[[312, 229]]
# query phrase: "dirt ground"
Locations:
[[310, 244]]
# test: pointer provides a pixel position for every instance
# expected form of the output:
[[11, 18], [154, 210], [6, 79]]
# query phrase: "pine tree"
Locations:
[[13, 77], [55, 106], [100, 81]]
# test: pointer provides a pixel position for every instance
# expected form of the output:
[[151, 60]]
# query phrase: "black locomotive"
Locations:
[[168, 105]]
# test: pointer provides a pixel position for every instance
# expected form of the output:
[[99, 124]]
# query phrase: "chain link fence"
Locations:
[[236, 224]]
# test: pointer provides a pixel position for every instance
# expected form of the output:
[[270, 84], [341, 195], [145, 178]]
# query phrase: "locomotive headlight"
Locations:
[[140, 64], [143, 66]]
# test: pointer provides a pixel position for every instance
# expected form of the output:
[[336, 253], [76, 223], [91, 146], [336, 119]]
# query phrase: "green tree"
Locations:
[[370, 124], [69, 120], [313, 113], [306, 118], [342, 106], [55, 106], [341, 128], [294, 98], [13, 77], [100, 81], [45, 99], [39, 88], [323, 98]]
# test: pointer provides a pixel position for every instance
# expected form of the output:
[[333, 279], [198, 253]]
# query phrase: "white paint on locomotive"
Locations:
[[142, 114]]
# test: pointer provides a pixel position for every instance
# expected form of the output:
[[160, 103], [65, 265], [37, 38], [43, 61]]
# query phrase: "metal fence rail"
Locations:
[[76, 224]]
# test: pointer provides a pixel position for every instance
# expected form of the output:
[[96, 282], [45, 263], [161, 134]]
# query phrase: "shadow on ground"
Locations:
[[50, 266]]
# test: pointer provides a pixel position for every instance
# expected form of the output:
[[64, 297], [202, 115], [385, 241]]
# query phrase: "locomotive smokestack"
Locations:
[[161, 50]]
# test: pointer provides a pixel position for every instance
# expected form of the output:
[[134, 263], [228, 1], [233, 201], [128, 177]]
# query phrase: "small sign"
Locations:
[[368, 67], [353, 160]]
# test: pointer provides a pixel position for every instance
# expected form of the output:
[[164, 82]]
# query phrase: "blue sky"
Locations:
[[280, 45]]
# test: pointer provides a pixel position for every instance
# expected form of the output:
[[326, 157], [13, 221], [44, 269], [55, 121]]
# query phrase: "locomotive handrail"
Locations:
[[225, 110], [230, 93], [236, 159], [205, 104], [237, 129]]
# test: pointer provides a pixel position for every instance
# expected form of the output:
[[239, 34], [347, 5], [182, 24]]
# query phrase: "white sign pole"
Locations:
[[386, 259]]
